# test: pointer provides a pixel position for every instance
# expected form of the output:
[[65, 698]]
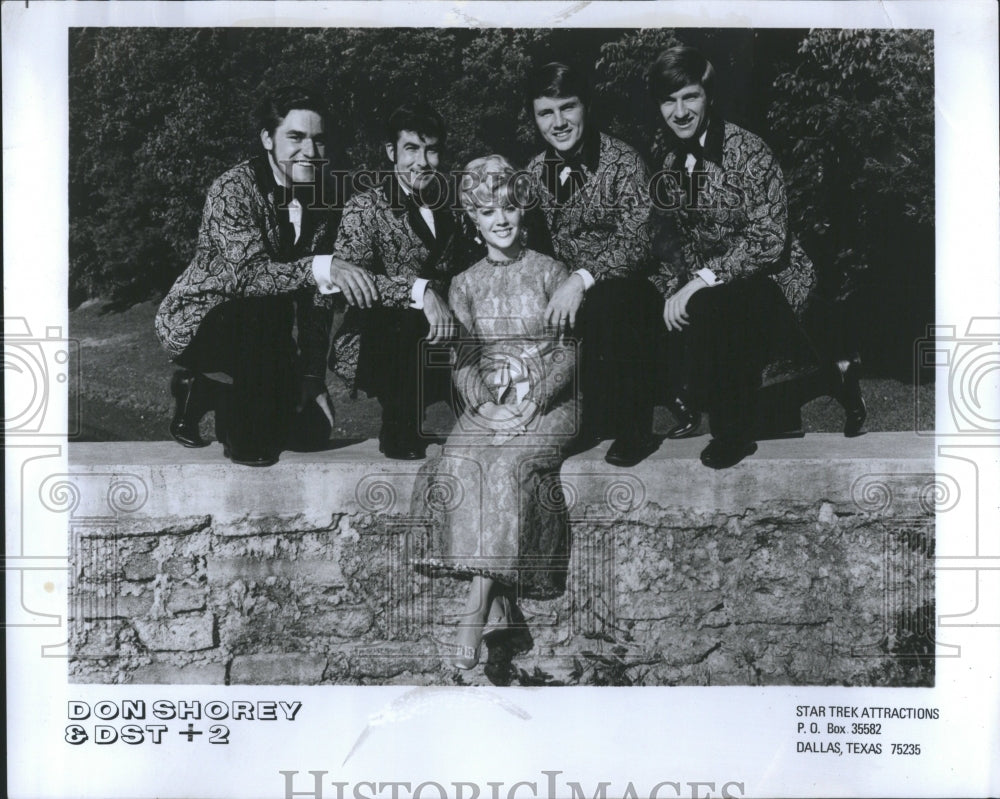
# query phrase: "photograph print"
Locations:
[[502, 356]]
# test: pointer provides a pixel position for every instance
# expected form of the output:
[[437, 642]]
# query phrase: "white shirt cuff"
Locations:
[[588, 279], [321, 266], [417, 293], [708, 276]]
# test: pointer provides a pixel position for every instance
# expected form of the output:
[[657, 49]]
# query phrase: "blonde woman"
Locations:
[[492, 496]]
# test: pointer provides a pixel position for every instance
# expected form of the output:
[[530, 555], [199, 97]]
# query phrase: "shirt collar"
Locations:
[[709, 142], [588, 155], [714, 137], [268, 183], [397, 194]]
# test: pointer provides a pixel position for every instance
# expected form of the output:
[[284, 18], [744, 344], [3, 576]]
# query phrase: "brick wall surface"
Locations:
[[789, 569]]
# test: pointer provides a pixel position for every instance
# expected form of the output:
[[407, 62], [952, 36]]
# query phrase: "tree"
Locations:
[[854, 123], [157, 114]]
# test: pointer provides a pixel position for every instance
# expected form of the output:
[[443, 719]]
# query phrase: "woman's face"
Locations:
[[499, 224]]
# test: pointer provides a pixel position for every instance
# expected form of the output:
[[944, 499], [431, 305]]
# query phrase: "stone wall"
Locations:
[[810, 564]]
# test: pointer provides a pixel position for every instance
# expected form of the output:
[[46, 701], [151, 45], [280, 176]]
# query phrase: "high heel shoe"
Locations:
[[848, 394], [500, 619], [498, 622], [462, 656], [465, 657], [191, 395]]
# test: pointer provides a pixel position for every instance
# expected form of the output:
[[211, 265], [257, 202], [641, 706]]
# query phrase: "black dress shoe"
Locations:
[[253, 458], [404, 452], [191, 395], [254, 455], [582, 443], [688, 419], [723, 453], [399, 447], [628, 451], [855, 410]]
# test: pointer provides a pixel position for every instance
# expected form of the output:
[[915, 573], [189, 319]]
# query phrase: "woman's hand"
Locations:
[[675, 308], [493, 412], [512, 419]]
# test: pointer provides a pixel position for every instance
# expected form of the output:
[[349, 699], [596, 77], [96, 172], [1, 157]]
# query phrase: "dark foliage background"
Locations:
[[157, 114]]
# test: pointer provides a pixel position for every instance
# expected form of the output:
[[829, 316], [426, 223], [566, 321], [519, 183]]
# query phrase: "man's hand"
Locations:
[[439, 315], [314, 390], [354, 282], [675, 308], [560, 313]]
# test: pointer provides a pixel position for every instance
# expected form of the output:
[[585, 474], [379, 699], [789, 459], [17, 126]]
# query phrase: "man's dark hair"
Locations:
[[679, 67], [417, 117], [556, 80], [276, 105]]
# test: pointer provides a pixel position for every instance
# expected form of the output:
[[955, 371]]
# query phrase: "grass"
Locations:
[[123, 393]]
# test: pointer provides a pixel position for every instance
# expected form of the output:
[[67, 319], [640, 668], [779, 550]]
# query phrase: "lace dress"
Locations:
[[493, 500]]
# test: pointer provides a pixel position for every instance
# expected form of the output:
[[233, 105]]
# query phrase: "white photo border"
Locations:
[[742, 738]]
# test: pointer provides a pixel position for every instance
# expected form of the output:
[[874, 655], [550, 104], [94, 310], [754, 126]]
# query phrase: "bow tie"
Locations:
[[692, 146], [429, 194], [574, 163]]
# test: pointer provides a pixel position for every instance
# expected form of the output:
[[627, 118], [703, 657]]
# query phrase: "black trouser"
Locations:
[[618, 323], [732, 331], [250, 340], [395, 367], [833, 327]]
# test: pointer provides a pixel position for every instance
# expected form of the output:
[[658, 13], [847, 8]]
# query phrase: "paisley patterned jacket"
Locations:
[[604, 225], [243, 250], [382, 231], [736, 224]]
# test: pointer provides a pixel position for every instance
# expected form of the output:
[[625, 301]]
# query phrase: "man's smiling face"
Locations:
[[686, 111], [295, 146], [560, 121], [414, 158]]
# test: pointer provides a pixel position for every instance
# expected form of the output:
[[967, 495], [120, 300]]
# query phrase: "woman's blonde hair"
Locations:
[[491, 178]]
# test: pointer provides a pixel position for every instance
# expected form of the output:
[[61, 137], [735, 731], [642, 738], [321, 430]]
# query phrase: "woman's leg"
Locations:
[[471, 622]]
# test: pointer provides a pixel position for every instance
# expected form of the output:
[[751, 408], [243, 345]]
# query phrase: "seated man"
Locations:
[[594, 196], [392, 261], [740, 273], [228, 318]]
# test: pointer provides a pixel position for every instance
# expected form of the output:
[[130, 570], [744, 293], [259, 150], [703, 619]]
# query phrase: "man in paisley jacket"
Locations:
[[594, 195], [734, 274], [228, 319], [400, 235]]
